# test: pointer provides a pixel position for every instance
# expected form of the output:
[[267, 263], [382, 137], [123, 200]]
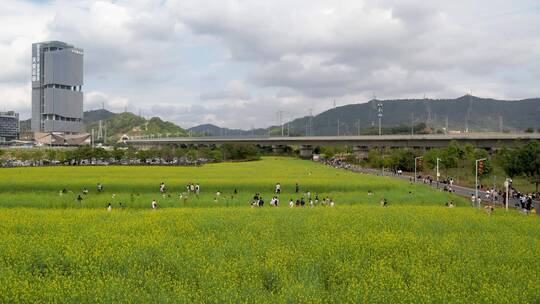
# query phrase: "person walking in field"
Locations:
[[162, 188], [79, 198], [296, 188], [154, 204], [489, 209], [197, 189], [85, 191], [291, 203], [278, 188], [99, 187], [109, 207], [311, 203]]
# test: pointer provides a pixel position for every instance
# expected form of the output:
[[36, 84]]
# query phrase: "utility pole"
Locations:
[[358, 126], [380, 110], [500, 123], [412, 123], [310, 122], [446, 126], [100, 131], [338, 127], [468, 113], [280, 119]]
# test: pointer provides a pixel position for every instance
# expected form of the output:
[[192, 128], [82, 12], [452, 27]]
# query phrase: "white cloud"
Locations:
[[237, 62], [96, 100]]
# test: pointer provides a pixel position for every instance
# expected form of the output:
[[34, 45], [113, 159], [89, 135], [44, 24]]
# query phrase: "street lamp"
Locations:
[[415, 160], [438, 174], [476, 179]]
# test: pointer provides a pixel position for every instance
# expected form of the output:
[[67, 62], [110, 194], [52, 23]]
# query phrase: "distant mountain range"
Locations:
[[428, 115]]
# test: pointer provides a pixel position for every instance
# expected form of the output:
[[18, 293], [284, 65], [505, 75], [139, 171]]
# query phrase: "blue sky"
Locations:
[[236, 63]]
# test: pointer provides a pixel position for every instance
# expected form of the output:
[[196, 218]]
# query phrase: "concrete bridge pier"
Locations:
[[278, 149], [306, 151], [361, 152]]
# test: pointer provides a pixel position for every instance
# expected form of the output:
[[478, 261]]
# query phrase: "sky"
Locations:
[[235, 63]]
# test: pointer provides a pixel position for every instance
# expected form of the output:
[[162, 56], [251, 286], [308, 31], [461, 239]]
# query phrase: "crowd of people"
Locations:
[[303, 200], [524, 202], [195, 189]]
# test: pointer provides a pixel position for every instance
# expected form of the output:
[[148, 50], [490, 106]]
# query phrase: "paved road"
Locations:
[[459, 190]]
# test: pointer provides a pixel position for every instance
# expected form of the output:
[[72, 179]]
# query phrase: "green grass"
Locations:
[[53, 249], [135, 187]]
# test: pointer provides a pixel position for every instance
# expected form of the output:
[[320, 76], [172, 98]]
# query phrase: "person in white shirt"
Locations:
[[278, 188], [197, 188], [311, 203], [109, 207], [154, 204], [291, 203]]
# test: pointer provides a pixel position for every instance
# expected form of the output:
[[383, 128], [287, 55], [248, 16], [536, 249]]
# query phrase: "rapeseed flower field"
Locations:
[[137, 186], [207, 251]]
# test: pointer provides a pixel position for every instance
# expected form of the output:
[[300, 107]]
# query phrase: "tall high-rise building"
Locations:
[[57, 80]]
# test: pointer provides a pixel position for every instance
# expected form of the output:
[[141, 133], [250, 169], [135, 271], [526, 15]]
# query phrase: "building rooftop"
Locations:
[[9, 114], [55, 43]]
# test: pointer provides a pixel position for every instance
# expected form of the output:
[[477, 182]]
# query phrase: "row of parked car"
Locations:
[[182, 161]]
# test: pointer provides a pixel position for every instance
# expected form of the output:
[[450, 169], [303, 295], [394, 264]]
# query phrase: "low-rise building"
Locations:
[[9, 125], [61, 139]]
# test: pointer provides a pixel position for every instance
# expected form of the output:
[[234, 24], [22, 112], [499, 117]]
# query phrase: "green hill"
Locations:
[[133, 125]]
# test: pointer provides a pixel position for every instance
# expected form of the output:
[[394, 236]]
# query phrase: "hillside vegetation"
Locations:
[[131, 124]]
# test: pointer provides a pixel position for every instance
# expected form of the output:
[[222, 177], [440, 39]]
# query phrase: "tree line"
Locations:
[[520, 160], [168, 154]]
